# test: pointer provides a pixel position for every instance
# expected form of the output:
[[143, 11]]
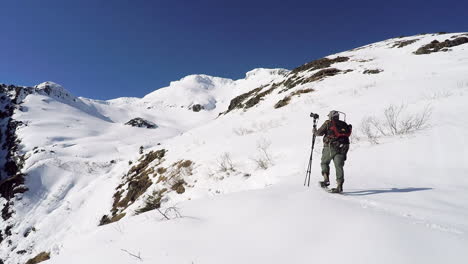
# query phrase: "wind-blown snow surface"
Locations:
[[405, 198]]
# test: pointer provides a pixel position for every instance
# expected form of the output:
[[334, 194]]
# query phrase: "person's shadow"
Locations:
[[391, 190]]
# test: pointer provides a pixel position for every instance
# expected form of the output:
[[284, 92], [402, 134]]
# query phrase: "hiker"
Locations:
[[335, 147]]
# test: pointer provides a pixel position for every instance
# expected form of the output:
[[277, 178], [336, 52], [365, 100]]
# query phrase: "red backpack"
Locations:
[[340, 129]]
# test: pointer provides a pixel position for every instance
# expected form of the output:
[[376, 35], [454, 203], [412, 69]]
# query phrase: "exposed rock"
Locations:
[[461, 35], [184, 164], [8, 230], [262, 72], [292, 82], [287, 99], [43, 256], [372, 71], [135, 184], [140, 178], [11, 179], [436, 46], [28, 231], [152, 202], [283, 102], [319, 64], [403, 43], [178, 186], [136, 187], [302, 91], [258, 97], [197, 107], [106, 220], [55, 90], [253, 97], [140, 122], [6, 210], [238, 101], [322, 74]]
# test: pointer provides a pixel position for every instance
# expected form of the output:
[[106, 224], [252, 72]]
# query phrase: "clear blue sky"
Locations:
[[108, 49]]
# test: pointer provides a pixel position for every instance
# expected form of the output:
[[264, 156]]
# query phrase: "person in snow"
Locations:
[[335, 147]]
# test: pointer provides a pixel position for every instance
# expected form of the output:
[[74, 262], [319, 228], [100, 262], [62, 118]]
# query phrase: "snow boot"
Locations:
[[326, 181], [339, 187]]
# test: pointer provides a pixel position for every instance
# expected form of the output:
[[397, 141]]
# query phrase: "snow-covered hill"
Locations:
[[80, 182]]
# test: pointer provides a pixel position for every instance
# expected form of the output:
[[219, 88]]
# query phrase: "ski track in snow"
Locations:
[[373, 205]]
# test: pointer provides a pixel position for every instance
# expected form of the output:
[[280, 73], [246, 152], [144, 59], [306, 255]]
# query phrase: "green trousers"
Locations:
[[330, 153]]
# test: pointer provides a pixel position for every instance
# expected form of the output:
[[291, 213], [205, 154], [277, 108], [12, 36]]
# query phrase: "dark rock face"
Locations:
[[257, 98], [43, 256], [322, 74], [140, 122], [135, 184], [11, 161], [461, 35], [253, 97], [403, 43], [238, 101], [285, 101], [319, 64], [436, 46], [372, 71], [197, 107], [11, 178]]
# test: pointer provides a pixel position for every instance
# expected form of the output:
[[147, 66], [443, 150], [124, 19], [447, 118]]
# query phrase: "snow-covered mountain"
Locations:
[[82, 178]]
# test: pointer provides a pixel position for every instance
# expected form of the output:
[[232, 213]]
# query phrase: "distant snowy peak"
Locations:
[[58, 93], [55, 90], [266, 73], [200, 82], [49, 85], [198, 89], [191, 84], [203, 92]]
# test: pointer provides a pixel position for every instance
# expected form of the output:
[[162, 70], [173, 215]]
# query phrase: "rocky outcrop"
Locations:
[[254, 96], [319, 64], [140, 122], [238, 101], [135, 184], [11, 160], [41, 257], [436, 46], [403, 43], [285, 101], [372, 71], [55, 90], [322, 74], [149, 182], [197, 107], [11, 179]]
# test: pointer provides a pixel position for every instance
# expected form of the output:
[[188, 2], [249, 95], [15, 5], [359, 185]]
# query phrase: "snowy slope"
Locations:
[[404, 201]]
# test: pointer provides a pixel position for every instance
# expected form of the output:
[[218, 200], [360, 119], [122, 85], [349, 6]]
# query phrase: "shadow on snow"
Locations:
[[392, 190]]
